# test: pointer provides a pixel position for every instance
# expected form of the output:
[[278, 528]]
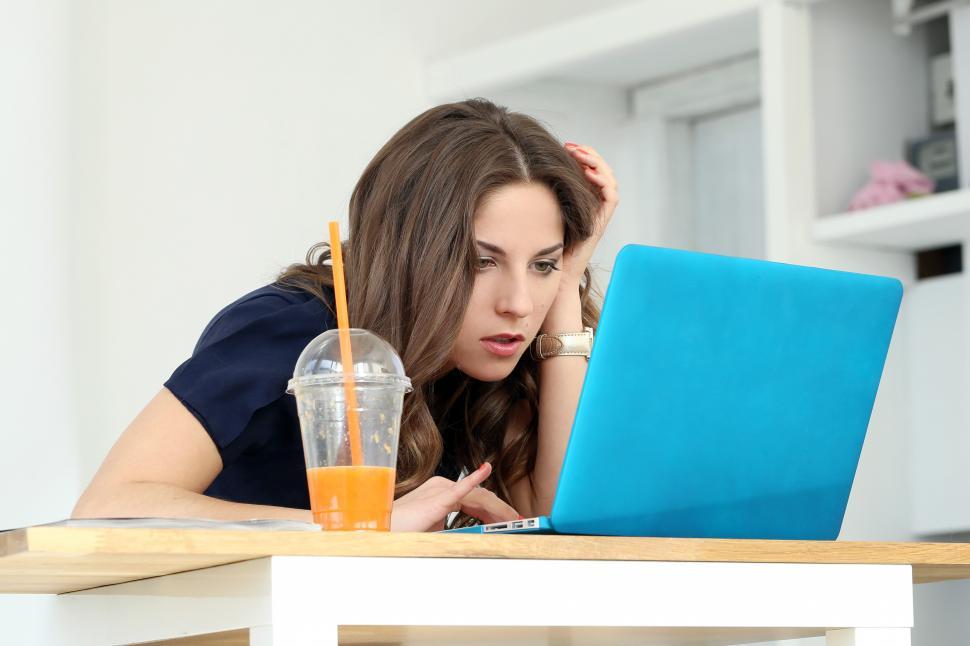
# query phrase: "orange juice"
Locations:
[[349, 498]]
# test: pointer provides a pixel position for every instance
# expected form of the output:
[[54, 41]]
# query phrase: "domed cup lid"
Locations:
[[375, 362]]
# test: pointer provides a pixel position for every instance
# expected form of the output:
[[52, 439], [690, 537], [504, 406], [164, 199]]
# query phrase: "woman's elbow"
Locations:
[[91, 504], [83, 508]]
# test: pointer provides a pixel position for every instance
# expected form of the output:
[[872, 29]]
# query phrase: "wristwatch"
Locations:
[[572, 344]]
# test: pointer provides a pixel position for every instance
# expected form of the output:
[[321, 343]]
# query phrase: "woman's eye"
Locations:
[[546, 266], [484, 262]]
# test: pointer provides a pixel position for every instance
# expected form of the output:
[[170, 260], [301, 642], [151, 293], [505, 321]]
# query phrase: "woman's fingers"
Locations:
[[477, 502], [588, 158], [597, 177], [426, 507], [487, 507], [609, 193], [595, 167], [606, 182], [466, 485]]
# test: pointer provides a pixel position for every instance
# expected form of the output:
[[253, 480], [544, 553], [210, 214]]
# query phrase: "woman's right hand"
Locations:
[[426, 508]]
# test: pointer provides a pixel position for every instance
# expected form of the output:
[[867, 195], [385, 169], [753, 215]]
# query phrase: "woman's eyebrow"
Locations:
[[498, 250]]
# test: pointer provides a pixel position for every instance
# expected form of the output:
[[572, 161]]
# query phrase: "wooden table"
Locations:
[[282, 588]]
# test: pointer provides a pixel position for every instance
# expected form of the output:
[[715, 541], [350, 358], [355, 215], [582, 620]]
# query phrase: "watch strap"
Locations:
[[569, 344]]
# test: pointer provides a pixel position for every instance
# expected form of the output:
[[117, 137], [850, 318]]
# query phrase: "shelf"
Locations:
[[914, 225], [616, 47]]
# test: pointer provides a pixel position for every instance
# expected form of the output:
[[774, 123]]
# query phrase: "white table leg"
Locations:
[[313, 632], [261, 636], [227, 597], [868, 637]]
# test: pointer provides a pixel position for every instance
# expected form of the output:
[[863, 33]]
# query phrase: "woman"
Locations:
[[470, 231]]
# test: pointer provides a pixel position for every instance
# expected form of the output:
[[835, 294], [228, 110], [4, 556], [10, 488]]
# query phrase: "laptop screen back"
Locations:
[[725, 397]]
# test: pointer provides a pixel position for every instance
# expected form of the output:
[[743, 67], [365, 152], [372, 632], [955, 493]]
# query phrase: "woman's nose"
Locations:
[[515, 298]]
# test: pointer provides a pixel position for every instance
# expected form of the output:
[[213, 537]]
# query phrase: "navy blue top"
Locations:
[[235, 385]]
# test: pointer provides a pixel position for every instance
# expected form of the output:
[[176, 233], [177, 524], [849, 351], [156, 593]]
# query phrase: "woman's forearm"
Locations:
[[153, 499], [560, 383]]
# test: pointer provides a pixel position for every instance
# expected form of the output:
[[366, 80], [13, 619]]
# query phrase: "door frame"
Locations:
[[666, 109]]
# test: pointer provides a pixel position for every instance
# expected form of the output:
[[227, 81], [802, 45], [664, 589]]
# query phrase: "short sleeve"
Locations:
[[243, 361]]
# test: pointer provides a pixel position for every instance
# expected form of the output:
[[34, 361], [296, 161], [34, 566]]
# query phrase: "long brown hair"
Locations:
[[411, 263]]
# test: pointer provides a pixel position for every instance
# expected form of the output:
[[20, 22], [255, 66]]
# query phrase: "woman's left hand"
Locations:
[[600, 175]]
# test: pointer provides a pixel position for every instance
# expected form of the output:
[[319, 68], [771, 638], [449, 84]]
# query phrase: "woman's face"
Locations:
[[519, 233]]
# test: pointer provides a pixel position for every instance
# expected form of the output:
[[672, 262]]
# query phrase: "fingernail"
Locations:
[[570, 144], [521, 517], [482, 466]]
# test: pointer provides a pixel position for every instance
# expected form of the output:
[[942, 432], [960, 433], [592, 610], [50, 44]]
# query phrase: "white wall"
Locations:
[[218, 138], [36, 345], [222, 138], [38, 461]]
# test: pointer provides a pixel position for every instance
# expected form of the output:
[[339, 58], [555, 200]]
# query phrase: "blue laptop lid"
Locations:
[[725, 397]]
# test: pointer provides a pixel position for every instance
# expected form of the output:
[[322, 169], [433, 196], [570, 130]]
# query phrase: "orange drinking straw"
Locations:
[[346, 356]]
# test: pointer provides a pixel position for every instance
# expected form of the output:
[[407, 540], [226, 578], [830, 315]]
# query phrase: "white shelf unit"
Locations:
[[870, 95], [867, 110], [939, 374], [918, 224]]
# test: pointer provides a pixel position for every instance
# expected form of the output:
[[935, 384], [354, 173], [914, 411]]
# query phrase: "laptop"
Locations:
[[724, 398]]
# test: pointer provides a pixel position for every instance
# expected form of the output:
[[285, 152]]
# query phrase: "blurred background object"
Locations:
[[891, 182]]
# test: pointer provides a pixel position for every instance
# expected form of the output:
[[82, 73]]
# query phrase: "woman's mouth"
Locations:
[[503, 345]]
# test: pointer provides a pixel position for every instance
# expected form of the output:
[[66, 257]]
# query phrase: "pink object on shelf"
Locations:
[[875, 193], [890, 182]]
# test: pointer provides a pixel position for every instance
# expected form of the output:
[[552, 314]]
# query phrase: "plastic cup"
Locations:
[[345, 495]]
